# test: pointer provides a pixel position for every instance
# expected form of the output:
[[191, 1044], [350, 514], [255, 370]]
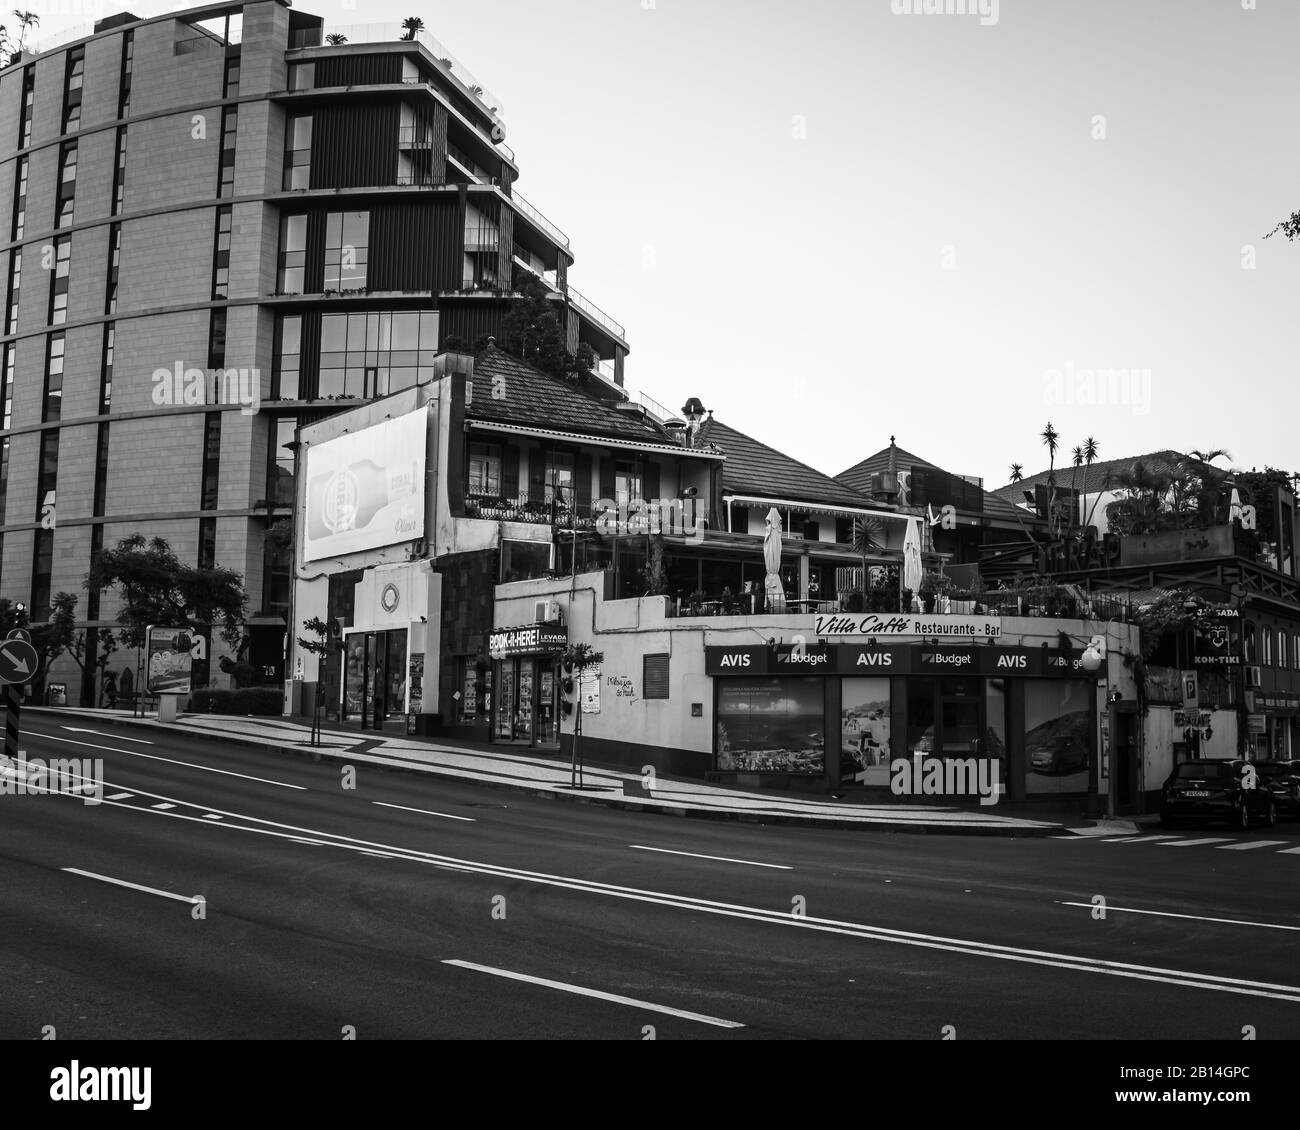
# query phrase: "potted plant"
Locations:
[[696, 601]]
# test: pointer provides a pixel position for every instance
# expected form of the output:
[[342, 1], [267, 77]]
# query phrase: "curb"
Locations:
[[562, 793]]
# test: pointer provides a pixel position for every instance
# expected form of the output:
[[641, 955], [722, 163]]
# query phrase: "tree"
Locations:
[[413, 26], [158, 588], [1018, 476], [1139, 511], [1290, 227], [1050, 437], [336, 39], [1090, 446], [10, 48], [1076, 460], [531, 331], [61, 635]]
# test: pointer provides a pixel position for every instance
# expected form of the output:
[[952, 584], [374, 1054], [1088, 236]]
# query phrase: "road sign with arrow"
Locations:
[[18, 661]]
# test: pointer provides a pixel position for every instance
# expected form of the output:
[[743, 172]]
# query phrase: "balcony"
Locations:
[[596, 314], [522, 206], [394, 33], [496, 508]]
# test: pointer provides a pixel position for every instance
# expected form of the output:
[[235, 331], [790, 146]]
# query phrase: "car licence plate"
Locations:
[[1197, 792]]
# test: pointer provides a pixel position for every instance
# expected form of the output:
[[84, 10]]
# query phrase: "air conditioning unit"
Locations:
[[546, 612], [883, 484], [1252, 676]]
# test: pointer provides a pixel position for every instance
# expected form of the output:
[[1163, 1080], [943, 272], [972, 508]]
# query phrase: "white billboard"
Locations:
[[366, 490]]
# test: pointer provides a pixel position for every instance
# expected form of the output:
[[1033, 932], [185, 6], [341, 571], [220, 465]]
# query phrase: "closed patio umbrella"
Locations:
[[912, 555], [772, 560]]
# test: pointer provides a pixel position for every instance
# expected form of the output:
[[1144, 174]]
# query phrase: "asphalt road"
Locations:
[[414, 908]]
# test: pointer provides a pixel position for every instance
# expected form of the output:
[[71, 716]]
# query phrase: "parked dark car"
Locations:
[[1207, 789], [1282, 779], [1059, 745]]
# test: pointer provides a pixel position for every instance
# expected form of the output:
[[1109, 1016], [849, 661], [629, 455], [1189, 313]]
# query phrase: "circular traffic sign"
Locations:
[[18, 662], [20, 634]]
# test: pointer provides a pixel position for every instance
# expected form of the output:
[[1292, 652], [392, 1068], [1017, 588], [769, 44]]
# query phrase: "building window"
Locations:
[[54, 355], [29, 101], [207, 543], [288, 358], [654, 676], [217, 339], [1281, 648], [484, 469], [114, 260], [72, 79], [293, 255], [48, 468], [230, 81], [559, 477], [373, 354], [1266, 636], [119, 172], [10, 366], [482, 241], [20, 199], [4, 478], [279, 484], [221, 253], [101, 471], [106, 369], [297, 152], [15, 284], [67, 188], [627, 482], [302, 76], [59, 283], [211, 460], [42, 568], [347, 236], [128, 60], [229, 132]]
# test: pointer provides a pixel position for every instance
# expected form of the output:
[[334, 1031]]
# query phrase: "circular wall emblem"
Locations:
[[339, 502], [390, 598]]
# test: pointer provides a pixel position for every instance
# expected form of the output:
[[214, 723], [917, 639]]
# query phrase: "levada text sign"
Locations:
[[908, 626], [528, 640]]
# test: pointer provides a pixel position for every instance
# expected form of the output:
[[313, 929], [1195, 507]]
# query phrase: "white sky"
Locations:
[[797, 285]]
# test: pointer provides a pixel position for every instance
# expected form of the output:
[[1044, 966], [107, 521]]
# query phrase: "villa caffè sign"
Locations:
[[904, 626]]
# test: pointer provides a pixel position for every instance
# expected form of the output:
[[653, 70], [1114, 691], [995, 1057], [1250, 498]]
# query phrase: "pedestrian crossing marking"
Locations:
[[1194, 843], [121, 796], [1137, 839], [164, 805], [1248, 844]]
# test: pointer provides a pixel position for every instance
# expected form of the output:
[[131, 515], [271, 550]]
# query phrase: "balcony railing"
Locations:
[[541, 221], [392, 33], [597, 315], [497, 508]]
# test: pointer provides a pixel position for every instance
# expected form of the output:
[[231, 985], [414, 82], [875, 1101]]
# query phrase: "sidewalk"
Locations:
[[524, 771]]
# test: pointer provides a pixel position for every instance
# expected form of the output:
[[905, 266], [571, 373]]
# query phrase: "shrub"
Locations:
[[262, 701]]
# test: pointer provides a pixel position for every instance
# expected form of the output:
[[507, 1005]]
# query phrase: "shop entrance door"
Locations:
[[375, 678], [945, 717]]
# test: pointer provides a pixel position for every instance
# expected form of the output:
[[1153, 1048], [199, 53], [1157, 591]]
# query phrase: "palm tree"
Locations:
[[413, 25], [1203, 482], [9, 48], [336, 39], [1018, 476], [1089, 457], [1050, 436], [1076, 457], [1147, 493]]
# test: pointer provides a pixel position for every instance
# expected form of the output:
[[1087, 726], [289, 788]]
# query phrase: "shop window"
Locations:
[[524, 560], [654, 676], [770, 725], [865, 728], [1058, 736]]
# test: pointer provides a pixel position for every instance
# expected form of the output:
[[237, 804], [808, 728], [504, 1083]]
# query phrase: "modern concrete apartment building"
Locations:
[[216, 225]]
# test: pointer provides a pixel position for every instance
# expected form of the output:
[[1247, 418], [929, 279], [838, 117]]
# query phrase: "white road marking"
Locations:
[[717, 858], [379, 854], [858, 930], [212, 816], [425, 811], [1247, 845], [717, 1022], [1197, 843], [1138, 839], [120, 796], [164, 805], [173, 761], [1193, 917], [1290, 851], [133, 886], [98, 733]]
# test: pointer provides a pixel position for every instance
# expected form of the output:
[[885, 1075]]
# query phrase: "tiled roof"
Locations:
[[859, 477], [1158, 462], [537, 400], [754, 468]]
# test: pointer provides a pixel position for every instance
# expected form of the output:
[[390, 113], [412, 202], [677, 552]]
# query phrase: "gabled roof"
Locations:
[[754, 468], [859, 475], [1099, 474], [535, 399]]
